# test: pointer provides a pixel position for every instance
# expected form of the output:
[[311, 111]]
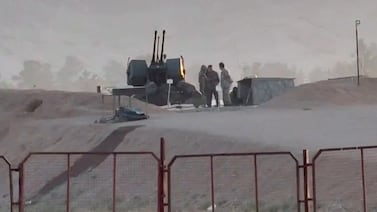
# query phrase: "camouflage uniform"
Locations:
[[212, 81]]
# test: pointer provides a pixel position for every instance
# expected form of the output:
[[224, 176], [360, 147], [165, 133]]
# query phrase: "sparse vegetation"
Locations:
[[33, 105]]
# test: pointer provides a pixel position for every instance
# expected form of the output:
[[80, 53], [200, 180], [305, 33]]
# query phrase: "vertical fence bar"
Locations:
[[11, 188], [68, 180], [161, 185], [21, 189], [306, 185], [298, 187], [363, 179], [114, 180], [169, 189], [314, 186], [212, 186], [256, 184], [159, 188]]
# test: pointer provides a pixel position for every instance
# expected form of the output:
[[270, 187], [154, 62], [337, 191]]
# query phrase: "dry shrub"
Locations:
[[33, 105]]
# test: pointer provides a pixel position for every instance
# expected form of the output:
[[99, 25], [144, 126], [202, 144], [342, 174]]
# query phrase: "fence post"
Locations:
[[11, 188], [21, 206], [306, 177], [212, 186], [114, 180], [161, 174], [363, 179], [256, 183], [68, 182]]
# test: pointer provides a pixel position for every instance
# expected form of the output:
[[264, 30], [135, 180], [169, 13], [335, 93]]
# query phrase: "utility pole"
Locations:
[[357, 23]]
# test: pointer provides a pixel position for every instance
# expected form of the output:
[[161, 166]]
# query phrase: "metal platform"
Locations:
[[119, 92], [128, 91]]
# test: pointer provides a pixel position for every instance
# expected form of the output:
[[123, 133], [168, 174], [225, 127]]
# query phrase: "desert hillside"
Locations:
[[67, 109], [340, 92], [325, 114], [50, 48]]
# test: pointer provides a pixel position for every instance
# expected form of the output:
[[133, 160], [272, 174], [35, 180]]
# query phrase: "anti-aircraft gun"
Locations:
[[155, 76]]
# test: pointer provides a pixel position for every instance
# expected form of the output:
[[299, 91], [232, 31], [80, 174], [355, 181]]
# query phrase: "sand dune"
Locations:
[[329, 92], [57, 104]]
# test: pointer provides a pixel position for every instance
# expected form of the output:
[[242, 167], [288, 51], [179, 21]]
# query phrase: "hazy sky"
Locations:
[[305, 33]]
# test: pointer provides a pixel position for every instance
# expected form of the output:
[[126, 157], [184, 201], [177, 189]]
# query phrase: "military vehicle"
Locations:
[[156, 78]]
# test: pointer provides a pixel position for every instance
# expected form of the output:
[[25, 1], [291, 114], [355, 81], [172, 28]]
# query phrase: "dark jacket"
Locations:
[[212, 79]]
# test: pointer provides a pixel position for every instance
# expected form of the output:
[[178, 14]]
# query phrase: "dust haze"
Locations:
[[78, 44]]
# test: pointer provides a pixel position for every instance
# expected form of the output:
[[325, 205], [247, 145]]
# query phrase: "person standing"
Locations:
[[202, 82], [202, 78], [212, 80], [226, 83]]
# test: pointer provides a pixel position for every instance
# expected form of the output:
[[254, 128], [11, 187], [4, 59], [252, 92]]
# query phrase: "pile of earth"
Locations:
[[337, 92], [56, 104]]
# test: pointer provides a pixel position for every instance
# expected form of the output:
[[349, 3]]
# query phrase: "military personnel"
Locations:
[[234, 97], [226, 83], [202, 78], [202, 82], [212, 80]]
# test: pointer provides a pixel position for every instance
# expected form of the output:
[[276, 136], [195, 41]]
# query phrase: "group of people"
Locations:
[[208, 81]]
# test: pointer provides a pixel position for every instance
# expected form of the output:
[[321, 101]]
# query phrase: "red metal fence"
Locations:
[[85, 181], [233, 182], [335, 179], [345, 179]]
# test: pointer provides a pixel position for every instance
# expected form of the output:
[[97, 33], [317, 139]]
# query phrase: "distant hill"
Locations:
[[302, 33]]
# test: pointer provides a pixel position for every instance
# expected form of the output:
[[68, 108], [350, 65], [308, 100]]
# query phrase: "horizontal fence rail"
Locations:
[[233, 182]]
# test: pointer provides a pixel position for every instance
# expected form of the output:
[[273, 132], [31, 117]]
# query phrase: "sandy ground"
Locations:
[[320, 115], [289, 129]]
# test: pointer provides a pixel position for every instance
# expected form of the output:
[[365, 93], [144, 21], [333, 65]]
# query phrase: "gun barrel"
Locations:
[[158, 45], [162, 45], [154, 47]]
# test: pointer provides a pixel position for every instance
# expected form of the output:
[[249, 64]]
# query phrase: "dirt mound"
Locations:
[[330, 92], [62, 104]]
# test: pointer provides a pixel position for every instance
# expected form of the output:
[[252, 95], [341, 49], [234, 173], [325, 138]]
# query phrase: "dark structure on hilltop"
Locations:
[[255, 91]]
